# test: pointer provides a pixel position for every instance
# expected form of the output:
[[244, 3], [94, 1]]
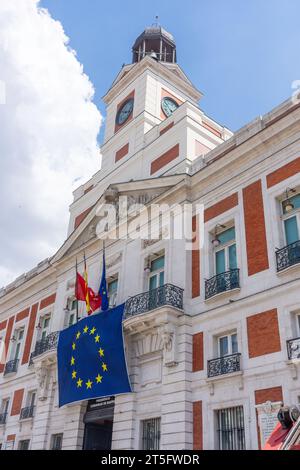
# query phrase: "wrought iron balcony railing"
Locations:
[[224, 365], [293, 348], [27, 412], [159, 297], [222, 282], [11, 366], [3, 417], [47, 344], [288, 256]]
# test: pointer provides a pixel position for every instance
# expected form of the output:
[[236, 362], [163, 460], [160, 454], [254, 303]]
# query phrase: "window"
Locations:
[[70, 312], [151, 434], [24, 444], [225, 253], [45, 327], [230, 428], [227, 345], [291, 220], [31, 397], [16, 348], [157, 273], [298, 323], [112, 290], [4, 410], [56, 441]]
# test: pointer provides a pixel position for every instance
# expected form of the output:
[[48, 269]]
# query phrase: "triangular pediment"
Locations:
[[136, 192]]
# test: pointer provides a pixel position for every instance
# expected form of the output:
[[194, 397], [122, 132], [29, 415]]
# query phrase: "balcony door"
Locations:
[[225, 253], [16, 349], [45, 327], [156, 279], [227, 345], [291, 220]]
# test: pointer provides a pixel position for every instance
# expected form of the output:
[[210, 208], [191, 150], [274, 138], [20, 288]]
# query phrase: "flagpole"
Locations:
[[77, 315]]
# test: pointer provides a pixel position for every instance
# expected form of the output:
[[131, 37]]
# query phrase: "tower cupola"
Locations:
[[155, 42]]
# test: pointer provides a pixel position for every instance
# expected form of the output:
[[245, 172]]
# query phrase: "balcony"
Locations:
[[288, 256], [44, 345], [222, 283], [293, 348], [224, 365], [150, 300], [11, 366], [3, 417], [27, 412]]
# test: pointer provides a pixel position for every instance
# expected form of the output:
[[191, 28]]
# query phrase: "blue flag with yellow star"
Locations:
[[90, 358]]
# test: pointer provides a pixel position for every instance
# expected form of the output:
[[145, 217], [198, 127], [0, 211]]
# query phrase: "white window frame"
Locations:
[[48, 328], [29, 395], [157, 272], [297, 318], [14, 345], [3, 401], [225, 246], [113, 298], [229, 342], [289, 215]]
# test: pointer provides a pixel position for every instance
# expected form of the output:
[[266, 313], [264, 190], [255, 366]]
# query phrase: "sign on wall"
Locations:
[[267, 419]]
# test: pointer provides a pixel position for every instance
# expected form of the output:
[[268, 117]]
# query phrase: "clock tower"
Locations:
[[154, 124]]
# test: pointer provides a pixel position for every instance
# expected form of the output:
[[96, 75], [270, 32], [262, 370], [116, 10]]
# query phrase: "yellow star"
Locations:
[[101, 352], [72, 361], [92, 330], [74, 373], [79, 383], [73, 346], [85, 329], [104, 367], [88, 384], [99, 379], [78, 335], [97, 339]]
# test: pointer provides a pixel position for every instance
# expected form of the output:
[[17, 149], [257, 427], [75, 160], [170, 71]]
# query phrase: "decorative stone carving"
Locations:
[[169, 342], [42, 376]]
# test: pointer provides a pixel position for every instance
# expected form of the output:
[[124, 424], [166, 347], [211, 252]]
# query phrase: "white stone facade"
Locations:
[[159, 342]]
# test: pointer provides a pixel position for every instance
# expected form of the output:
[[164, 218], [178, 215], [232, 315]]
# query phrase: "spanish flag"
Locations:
[[87, 293]]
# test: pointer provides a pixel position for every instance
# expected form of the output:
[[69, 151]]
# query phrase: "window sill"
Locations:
[[289, 269], [225, 293], [225, 376]]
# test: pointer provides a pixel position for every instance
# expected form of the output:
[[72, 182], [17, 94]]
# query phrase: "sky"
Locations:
[[56, 64]]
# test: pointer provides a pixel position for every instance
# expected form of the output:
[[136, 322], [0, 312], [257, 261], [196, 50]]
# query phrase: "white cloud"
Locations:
[[48, 134]]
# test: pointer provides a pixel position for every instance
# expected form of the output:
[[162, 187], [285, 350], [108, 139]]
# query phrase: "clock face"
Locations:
[[124, 112], [168, 105]]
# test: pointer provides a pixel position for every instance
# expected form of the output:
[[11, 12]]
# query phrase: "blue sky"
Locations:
[[243, 55]]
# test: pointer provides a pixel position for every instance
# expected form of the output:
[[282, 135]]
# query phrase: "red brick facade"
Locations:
[[8, 333], [21, 315], [197, 426], [256, 241], [122, 152], [165, 129], [17, 402], [221, 207], [30, 331], [284, 172], [195, 259], [47, 301], [164, 159], [198, 352], [80, 217], [263, 333]]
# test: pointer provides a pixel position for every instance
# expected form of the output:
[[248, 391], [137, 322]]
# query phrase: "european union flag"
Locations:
[[91, 359]]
